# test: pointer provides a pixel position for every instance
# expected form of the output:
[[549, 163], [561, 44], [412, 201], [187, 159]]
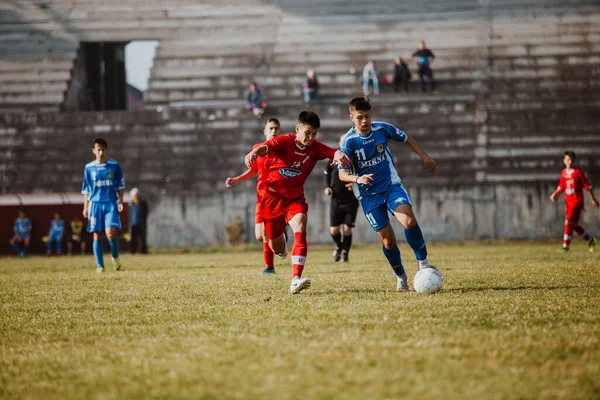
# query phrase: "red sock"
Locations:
[[568, 234], [268, 255], [581, 232], [299, 252]]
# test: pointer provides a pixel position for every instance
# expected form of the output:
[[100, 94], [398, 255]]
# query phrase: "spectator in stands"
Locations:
[[424, 58], [370, 76], [310, 88], [139, 217], [254, 100], [76, 235], [22, 229], [401, 74], [56, 234]]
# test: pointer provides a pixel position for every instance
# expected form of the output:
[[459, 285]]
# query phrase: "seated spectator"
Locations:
[[402, 74], [57, 231], [310, 87], [370, 76], [76, 235], [22, 229], [424, 58], [254, 100]]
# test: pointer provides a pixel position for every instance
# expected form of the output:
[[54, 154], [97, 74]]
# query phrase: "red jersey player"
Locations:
[[572, 182], [272, 129], [289, 160]]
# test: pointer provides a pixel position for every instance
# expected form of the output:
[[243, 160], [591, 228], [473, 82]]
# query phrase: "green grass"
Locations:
[[514, 321]]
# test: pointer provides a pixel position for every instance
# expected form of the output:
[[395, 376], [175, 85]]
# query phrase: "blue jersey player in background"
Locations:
[[378, 186], [22, 229], [56, 234], [103, 188]]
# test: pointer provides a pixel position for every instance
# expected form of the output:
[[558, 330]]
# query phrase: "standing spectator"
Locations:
[[22, 228], [139, 216], [57, 231], [342, 211], [401, 74], [254, 100], [76, 235], [424, 58], [310, 88], [370, 76]]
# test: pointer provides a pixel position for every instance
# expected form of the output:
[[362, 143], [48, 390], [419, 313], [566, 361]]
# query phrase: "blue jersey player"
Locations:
[[22, 230], [378, 186], [56, 234], [103, 187]]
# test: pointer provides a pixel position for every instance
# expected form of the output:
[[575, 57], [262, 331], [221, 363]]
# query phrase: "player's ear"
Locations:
[[297, 128], [350, 116]]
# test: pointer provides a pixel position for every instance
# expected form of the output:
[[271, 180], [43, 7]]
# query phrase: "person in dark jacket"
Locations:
[[342, 211], [402, 74], [138, 217]]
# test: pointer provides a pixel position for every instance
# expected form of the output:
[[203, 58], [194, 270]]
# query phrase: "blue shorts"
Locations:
[[55, 236], [22, 237], [377, 206], [103, 216]]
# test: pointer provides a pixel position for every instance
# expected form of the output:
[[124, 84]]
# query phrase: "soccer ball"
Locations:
[[427, 280]]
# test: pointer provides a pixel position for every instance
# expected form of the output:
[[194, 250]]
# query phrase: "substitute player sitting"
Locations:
[[22, 230], [378, 186], [572, 183], [272, 129], [103, 186], [56, 234], [342, 211], [290, 159]]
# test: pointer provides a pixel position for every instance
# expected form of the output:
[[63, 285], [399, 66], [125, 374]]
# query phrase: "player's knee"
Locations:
[[334, 230], [347, 230], [410, 222], [567, 222]]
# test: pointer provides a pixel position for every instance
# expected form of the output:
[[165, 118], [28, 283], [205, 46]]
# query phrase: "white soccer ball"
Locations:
[[427, 280]]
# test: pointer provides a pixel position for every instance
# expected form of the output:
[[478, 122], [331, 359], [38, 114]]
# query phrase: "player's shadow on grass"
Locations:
[[514, 288]]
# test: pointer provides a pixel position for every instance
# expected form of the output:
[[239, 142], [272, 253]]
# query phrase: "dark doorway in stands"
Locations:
[[106, 80]]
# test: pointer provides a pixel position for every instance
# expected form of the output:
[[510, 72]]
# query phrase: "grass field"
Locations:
[[514, 321]]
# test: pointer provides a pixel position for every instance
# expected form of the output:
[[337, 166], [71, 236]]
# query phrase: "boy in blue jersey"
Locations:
[[103, 188], [22, 229], [378, 186], [57, 231]]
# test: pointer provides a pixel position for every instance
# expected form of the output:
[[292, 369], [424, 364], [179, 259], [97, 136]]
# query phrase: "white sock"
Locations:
[[423, 264]]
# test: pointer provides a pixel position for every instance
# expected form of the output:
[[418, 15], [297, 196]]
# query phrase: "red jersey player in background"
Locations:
[[572, 182], [272, 129], [289, 160]]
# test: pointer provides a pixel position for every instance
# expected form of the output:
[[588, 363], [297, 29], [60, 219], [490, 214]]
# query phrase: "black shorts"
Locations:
[[342, 213]]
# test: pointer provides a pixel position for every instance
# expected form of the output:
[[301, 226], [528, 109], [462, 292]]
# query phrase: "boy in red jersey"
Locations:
[[572, 182], [289, 160], [272, 129]]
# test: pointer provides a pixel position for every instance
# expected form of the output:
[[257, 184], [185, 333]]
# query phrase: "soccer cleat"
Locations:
[[100, 270], [435, 268], [284, 253], [299, 284], [344, 256], [402, 284], [116, 264], [592, 245], [268, 271], [22, 254], [337, 254], [565, 248]]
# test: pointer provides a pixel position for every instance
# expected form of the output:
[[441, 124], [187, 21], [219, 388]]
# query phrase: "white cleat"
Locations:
[[434, 268], [299, 284], [402, 285]]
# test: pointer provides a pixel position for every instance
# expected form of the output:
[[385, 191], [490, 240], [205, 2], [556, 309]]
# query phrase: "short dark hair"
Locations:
[[360, 104], [100, 141], [571, 154], [59, 213], [274, 120], [310, 118]]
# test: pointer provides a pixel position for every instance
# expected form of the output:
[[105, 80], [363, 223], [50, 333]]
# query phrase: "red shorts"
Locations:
[[573, 214], [276, 211]]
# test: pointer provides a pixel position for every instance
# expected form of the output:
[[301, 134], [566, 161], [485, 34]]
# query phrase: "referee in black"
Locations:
[[342, 212]]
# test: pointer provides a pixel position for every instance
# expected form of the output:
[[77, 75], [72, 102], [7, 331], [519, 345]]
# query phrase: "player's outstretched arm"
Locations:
[[555, 194], [254, 154], [346, 176], [594, 201], [430, 164], [341, 159], [240, 178]]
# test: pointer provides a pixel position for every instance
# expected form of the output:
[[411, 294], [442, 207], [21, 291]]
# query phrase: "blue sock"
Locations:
[[58, 246], [49, 246], [394, 259], [16, 248], [414, 238], [98, 253], [114, 247]]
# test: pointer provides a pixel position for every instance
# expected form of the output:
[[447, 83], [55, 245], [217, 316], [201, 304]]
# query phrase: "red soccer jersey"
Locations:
[[258, 166], [573, 183], [287, 165]]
